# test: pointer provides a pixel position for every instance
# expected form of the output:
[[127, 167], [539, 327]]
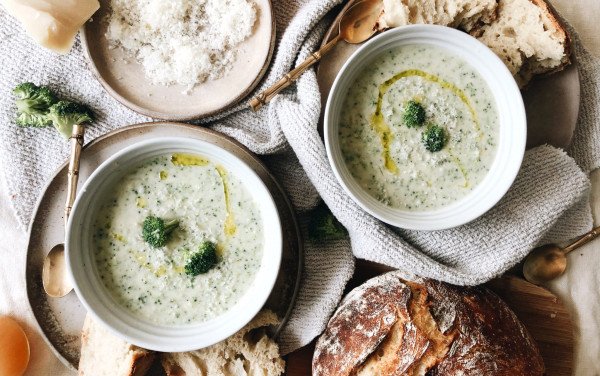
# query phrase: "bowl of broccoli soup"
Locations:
[[425, 127], [174, 244]]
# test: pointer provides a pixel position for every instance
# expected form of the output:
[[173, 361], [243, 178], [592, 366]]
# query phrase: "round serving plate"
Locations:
[[61, 319], [551, 102], [124, 79]]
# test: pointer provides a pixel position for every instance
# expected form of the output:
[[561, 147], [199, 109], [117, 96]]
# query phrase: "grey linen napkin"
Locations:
[[548, 202]]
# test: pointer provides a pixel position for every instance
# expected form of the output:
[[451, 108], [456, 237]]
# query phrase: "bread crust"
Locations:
[[527, 59], [362, 321], [490, 340], [557, 22], [439, 329]]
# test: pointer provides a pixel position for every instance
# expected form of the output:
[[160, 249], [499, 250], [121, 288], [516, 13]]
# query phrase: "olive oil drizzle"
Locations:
[[461, 167], [385, 135], [383, 129], [183, 159], [159, 271], [229, 226]]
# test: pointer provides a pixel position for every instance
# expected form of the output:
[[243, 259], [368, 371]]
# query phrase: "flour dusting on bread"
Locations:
[[360, 324]]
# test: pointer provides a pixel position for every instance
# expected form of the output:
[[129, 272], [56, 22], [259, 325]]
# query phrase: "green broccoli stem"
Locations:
[[24, 106], [171, 225]]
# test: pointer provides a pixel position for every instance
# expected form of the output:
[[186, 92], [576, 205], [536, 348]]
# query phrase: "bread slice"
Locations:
[[528, 37], [525, 34], [249, 352], [467, 15], [103, 354]]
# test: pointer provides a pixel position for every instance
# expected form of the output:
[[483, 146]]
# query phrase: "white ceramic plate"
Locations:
[[512, 127], [98, 300], [126, 82]]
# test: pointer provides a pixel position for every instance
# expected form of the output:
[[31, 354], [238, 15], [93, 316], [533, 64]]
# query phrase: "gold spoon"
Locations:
[[549, 261], [55, 278], [358, 24]]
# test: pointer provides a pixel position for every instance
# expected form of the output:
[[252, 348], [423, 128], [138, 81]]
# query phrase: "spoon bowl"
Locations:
[[55, 278], [544, 264], [359, 22], [549, 261]]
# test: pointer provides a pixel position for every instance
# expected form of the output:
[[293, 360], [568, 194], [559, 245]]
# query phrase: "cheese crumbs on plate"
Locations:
[[183, 42]]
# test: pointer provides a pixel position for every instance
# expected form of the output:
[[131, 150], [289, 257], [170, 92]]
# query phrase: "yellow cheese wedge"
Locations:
[[52, 23]]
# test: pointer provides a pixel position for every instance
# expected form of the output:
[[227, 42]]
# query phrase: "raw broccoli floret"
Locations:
[[65, 114], [33, 120], [32, 98], [203, 260], [414, 114], [25, 90], [33, 103], [434, 138], [324, 226], [156, 231]]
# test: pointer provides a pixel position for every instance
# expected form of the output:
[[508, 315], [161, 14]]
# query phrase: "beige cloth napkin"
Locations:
[[579, 287]]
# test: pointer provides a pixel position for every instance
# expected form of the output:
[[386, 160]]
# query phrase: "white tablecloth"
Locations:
[[579, 288]]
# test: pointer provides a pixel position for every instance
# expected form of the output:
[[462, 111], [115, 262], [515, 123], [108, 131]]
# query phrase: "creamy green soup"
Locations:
[[388, 158], [211, 204]]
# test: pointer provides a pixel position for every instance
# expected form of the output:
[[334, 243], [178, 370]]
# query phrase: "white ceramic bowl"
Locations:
[[512, 133], [96, 298]]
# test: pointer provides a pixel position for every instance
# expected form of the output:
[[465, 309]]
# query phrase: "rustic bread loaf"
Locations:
[[528, 37], [249, 352], [103, 354], [525, 34], [389, 326]]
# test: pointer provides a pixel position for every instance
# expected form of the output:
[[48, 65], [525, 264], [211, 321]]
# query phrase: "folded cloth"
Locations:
[[586, 138], [549, 200]]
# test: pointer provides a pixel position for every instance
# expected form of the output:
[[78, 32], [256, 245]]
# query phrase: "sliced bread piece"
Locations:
[[528, 37], [525, 34], [249, 352], [467, 15], [103, 354]]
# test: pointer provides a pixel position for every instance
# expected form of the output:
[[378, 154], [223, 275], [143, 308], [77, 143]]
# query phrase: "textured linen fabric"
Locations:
[[586, 138], [540, 206], [578, 287]]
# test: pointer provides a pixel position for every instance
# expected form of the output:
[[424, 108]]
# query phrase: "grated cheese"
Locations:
[[183, 42]]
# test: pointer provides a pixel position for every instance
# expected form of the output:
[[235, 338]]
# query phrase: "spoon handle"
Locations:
[[593, 234], [264, 97], [76, 140]]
